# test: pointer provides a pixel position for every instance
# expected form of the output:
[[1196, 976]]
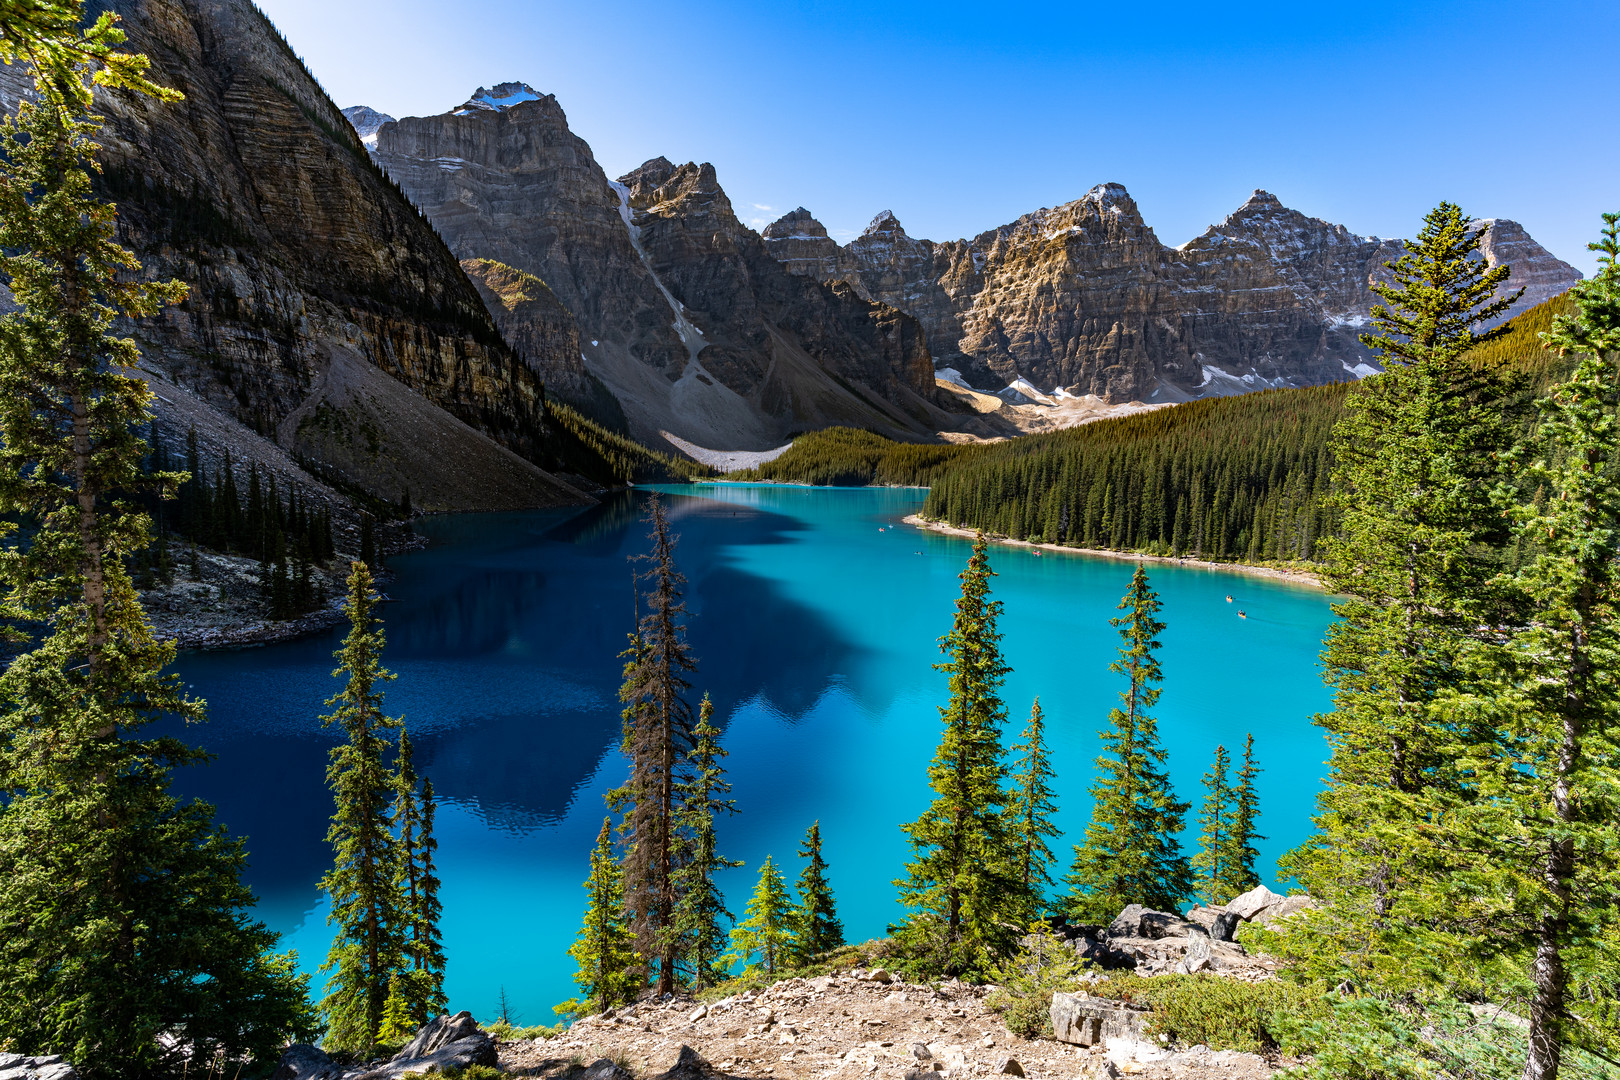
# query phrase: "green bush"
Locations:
[[1025, 983], [1223, 1014]]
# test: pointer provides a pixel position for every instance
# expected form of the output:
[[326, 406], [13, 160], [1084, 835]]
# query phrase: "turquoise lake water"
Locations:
[[815, 625]]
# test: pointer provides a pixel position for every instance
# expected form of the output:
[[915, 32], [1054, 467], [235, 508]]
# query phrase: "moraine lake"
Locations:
[[814, 615]]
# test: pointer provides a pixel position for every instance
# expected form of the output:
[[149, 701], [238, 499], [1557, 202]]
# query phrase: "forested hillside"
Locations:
[[1239, 478]]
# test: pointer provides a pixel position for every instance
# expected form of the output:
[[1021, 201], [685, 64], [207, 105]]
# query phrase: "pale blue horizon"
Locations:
[[961, 117]]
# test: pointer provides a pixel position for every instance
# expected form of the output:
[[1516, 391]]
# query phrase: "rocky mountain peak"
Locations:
[[1111, 196], [366, 121], [885, 224], [797, 224], [500, 97], [1538, 271]]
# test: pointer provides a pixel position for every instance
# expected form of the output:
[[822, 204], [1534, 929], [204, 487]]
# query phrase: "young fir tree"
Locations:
[[815, 921], [1545, 882], [419, 984], [1132, 853], [363, 883], [605, 948], [1420, 452], [122, 912], [764, 940], [1242, 854], [1215, 823], [1031, 809], [701, 906], [962, 879], [657, 736]]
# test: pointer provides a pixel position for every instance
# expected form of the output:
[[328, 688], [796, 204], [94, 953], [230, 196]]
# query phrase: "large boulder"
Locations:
[[1163, 924], [305, 1062], [1253, 902], [1088, 1021], [1128, 923], [449, 1042]]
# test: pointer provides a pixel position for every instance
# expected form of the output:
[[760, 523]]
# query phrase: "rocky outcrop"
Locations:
[[445, 1044], [799, 242], [1084, 297], [681, 311], [323, 313]]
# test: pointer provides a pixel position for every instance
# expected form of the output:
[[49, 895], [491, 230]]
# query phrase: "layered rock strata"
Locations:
[[681, 311], [1084, 297], [324, 316]]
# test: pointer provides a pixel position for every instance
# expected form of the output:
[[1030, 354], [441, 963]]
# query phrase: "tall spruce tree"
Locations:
[[1031, 809], [701, 906], [427, 943], [1544, 886], [1420, 452], [1243, 854], [123, 917], [1132, 852], [607, 972], [363, 884], [817, 929], [764, 940], [961, 881], [1211, 864], [658, 733]]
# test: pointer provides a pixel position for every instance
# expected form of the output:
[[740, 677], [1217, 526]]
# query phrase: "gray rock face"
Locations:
[[1252, 902], [1085, 297], [305, 1062], [42, 1067], [801, 244]]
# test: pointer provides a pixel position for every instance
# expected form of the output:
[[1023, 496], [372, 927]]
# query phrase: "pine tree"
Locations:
[[961, 880], [815, 923], [122, 912], [420, 982], [1131, 853], [657, 737], [398, 1023], [1031, 809], [605, 948], [764, 940], [701, 905], [1242, 854], [362, 884], [1420, 453], [1545, 882], [1215, 834]]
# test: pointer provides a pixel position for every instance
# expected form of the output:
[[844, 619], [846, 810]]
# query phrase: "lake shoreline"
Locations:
[[1302, 578]]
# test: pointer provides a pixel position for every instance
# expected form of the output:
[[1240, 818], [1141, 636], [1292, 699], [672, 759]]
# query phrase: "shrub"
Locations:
[[1223, 1014], [1044, 964]]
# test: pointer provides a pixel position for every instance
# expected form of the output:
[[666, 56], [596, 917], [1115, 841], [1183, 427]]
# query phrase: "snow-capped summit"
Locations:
[[366, 121], [499, 97]]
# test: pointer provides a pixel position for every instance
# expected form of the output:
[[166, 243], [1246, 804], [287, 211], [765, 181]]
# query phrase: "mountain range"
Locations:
[[686, 320], [379, 307]]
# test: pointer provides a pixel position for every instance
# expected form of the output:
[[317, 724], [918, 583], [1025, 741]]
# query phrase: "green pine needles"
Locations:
[[368, 905], [386, 962], [1132, 849], [816, 926], [1031, 809], [701, 906], [962, 882], [604, 951], [123, 916], [1224, 865], [764, 940]]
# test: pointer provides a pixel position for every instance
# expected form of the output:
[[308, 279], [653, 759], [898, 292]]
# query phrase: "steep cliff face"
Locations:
[[681, 312], [1085, 298], [311, 277]]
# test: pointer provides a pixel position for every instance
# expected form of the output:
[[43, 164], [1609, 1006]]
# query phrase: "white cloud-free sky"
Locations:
[[961, 116]]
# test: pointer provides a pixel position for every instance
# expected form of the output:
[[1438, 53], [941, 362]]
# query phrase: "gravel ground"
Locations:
[[853, 1026]]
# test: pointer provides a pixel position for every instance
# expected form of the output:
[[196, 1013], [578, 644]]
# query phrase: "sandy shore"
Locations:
[[1292, 577]]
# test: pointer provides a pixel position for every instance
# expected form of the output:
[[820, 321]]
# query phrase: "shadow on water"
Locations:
[[505, 634]]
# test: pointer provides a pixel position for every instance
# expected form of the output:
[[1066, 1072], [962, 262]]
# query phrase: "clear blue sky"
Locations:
[[961, 116]]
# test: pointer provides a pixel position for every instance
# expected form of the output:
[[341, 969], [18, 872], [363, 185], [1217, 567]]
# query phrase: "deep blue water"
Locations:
[[815, 630]]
